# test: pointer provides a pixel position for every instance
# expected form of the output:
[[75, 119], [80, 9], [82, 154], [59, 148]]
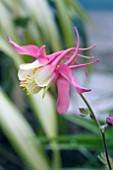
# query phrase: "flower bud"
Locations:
[[84, 112], [109, 120]]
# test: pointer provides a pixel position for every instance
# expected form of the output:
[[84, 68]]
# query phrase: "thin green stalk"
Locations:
[[102, 130], [91, 111], [105, 147]]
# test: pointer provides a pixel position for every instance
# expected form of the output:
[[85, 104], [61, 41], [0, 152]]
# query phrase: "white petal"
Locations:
[[27, 69], [32, 65], [43, 75], [50, 82], [23, 74]]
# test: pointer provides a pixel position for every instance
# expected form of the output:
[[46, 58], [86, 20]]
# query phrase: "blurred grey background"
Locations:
[[101, 82]]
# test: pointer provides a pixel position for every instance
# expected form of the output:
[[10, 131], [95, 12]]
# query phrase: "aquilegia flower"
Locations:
[[47, 69]]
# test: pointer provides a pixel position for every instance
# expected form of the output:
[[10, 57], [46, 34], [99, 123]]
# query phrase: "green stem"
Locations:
[[91, 111], [105, 147], [101, 130]]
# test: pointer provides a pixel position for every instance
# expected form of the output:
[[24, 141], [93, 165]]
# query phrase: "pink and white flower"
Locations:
[[47, 69]]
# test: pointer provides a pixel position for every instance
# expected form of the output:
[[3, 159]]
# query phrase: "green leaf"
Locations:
[[19, 133], [45, 21], [6, 22], [68, 142], [65, 22], [7, 49], [88, 124], [15, 7], [44, 110], [102, 158], [80, 11]]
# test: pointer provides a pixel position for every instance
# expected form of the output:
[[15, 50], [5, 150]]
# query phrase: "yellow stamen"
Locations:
[[35, 70]]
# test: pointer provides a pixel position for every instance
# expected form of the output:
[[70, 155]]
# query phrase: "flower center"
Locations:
[[35, 70], [30, 85]]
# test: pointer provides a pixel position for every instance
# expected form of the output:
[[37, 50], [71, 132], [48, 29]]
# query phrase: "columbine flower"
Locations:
[[109, 120], [47, 69]]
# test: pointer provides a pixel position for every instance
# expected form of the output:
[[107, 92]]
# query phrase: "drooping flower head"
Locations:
[[47, 69]]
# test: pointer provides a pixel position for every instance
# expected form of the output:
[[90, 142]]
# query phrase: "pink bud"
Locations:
[[109, 120]]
